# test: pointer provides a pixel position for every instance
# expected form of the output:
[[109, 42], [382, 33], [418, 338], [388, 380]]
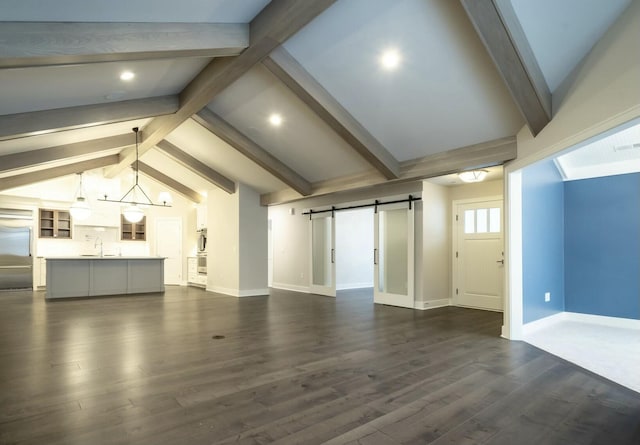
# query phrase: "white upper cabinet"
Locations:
[[201, 216]]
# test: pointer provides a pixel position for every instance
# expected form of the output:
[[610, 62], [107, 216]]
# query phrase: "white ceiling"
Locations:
[[193, 11], [562, 32], [613, 154], [44, 88], [445, 94]]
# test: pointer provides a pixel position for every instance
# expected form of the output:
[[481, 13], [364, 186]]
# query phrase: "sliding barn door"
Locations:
[[394, 255], [323, 249]]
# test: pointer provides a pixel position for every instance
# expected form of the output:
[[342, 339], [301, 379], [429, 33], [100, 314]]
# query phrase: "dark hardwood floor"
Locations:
[[290, 368]]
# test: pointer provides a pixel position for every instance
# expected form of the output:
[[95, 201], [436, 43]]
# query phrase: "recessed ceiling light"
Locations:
[[127, 75], [275, 120], [390, 59]]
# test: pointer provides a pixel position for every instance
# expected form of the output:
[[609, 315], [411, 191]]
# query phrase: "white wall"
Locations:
[[605, 94], [354, 248], [253, 243], [435, 245], [237, 243], [223, 221]]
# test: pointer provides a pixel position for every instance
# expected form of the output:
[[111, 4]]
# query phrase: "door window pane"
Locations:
[[481, 217], [321, 258], [469, 221], [393, 254], [494, 220]]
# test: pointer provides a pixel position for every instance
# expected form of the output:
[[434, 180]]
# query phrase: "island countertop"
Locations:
[[89, 276]]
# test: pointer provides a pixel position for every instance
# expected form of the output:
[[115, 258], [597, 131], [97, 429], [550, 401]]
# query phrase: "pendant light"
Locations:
[[80, 209], [133, 211]]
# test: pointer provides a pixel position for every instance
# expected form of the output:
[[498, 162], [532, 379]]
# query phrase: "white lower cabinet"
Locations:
[[193, 277], [39, 272]]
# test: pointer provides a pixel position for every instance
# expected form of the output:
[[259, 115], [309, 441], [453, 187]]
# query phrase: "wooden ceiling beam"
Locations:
[[486, 154], [321, 102], [16, 161], [278, 21], [33, 123], [27, 44], [203, 170], [503, 37], [225, 131], [51, 173], [169, 182]]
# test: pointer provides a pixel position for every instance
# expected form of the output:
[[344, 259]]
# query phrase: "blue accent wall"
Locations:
[[602, 246], [542, 240]]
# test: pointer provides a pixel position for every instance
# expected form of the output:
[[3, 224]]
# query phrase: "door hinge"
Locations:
[[456, 291], [456, 217], [456, 254]]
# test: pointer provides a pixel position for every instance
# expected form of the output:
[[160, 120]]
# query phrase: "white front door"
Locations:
[[169, 245], [393, 255], [323, 250], [478, 260]]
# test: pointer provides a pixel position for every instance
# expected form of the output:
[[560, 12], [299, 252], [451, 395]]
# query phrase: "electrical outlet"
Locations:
[[547, 296]]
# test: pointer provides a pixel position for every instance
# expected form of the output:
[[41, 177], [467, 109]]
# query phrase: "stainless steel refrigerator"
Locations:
[[16, 262]]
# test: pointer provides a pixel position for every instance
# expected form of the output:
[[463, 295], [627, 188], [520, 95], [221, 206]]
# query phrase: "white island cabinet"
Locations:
[[94, 276]]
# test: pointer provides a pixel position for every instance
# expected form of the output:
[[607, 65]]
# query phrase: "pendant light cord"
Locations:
[[136, 131]]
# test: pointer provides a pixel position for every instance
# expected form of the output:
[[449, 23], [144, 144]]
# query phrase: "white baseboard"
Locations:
[[291, 287], [542, 323], [601, 320], [239, 293], [431, 304], [354, 286]]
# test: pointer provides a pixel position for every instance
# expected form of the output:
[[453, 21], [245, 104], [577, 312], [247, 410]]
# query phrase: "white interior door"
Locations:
[[393, 255], [323, 250], [169, 245], [479, 255]]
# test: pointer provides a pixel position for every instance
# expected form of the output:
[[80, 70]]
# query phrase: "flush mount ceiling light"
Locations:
[[80, 209], [473, 175], [275, 120], [133, 213], [390, 59], [127, 76]]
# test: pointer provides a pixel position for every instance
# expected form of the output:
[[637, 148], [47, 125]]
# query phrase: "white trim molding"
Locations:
[[238, 293], [600, 320], [431, 304], [291, 287]]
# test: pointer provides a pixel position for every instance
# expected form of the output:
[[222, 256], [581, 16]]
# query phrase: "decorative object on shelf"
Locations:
[[80, 209], [473, 175], [133, 212]]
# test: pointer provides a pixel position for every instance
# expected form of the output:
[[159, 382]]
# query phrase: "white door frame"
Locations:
[[158, 238], [454, 236]]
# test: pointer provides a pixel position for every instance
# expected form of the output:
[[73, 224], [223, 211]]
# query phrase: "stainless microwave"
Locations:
[[202, 240]]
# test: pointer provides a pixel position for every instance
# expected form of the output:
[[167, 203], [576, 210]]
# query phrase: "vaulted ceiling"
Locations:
[[210, 73]]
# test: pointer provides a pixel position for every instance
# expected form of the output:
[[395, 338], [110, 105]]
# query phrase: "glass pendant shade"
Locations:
[[473, 175], [80, 210], [133, 213]]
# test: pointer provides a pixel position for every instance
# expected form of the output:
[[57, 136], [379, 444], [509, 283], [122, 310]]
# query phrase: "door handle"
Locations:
[[333, 256], [500, 261], [375, 256]]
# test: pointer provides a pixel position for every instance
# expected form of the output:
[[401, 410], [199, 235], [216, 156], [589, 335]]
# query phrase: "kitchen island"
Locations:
[[89, 276]]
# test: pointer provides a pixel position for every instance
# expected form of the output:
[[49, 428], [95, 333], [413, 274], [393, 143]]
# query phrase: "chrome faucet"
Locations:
[[98, 240]]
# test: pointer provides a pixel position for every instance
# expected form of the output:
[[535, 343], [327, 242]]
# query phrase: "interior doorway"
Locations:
[[478, 254], [169, 245], [354, 251]]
